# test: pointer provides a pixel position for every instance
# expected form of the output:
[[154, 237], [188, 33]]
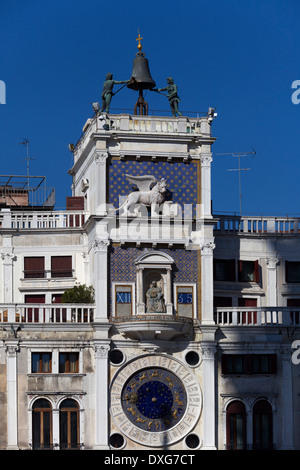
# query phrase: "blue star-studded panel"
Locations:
[[123, 269], [154, 399], [181, 179]]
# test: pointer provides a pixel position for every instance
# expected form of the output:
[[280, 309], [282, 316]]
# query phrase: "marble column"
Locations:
[[100, 160], [209, 410], [100, 248], [140, 291], [207, 283], [286, 387], [206, 160], [272, 281], [12, 348], [102, 348], [7, 261]]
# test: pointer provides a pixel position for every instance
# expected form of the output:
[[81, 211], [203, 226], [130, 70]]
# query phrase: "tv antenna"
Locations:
[[239, 169], [26, 142]]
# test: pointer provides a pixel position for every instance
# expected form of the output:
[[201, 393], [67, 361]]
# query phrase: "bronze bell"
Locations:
[[141, 78]]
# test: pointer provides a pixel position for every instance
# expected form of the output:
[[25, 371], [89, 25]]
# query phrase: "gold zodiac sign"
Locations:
[[156, 424], [177, 399], [131, 410], [132, 384], [143, 377], [154, 374], [140, 420], [171, 382], [132, 398]]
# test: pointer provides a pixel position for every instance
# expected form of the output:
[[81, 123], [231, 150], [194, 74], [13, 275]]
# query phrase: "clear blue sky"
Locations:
[[238, 55]]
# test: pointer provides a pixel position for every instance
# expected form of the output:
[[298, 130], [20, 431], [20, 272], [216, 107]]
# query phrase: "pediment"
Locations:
[[154, 257]]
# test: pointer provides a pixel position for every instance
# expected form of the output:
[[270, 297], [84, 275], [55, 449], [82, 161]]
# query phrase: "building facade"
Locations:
[[191, 340]]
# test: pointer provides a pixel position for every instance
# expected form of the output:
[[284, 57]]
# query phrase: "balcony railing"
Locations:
[[48, 274], [42, 220], [247, 224], [46, 313], [85, 313], [158, 125], [257, 316]]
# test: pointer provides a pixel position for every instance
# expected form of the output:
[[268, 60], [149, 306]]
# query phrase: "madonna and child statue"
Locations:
[[155, 302]]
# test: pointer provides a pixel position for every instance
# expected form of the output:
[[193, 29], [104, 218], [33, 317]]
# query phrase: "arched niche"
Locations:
[[154, 267]]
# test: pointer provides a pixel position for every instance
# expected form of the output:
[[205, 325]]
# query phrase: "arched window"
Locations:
[[236, 426], [262, 426], [42, 424], [69, 424]]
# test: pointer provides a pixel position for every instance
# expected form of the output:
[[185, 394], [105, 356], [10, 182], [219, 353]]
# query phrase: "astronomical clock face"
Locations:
[[154, 399], [157, 404]]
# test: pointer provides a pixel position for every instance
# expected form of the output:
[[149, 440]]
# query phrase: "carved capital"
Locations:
[[100, 245], [11, 349], [8, 257], [286, 352], [208, 351], [101, 351], [207, 248], [100, 156], [272, 263], [206, 159]]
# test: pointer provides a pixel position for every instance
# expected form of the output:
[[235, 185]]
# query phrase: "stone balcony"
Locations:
[[145, 127], [45, 314], [230, 224], [154, 327], [160, 326], [42, 219], [257, 316]]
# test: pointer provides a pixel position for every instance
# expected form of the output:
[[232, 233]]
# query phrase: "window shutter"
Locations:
[[34, 267], [240, 269], [232, 270], [273, 364], [61, 266], [224, 364], [256, 271]]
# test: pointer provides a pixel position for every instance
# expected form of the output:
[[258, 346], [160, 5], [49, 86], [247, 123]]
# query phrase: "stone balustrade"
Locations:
[[41, 219], [257, 316], [46, 313], [257, 224]]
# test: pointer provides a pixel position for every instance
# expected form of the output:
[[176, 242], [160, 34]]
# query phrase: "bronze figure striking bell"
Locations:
[[141, 78]]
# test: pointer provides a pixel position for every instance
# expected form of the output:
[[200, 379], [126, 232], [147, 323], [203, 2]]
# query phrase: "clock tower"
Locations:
[[145, 181]]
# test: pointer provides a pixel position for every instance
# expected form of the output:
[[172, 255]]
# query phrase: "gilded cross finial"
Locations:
[[139, 39]]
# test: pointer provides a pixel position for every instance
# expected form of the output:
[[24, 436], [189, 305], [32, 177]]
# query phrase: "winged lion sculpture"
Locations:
[[145, 194]]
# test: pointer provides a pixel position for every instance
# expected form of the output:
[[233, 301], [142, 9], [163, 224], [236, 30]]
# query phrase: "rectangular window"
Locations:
[[34, 267], [224, 270], [41, 362], [69, 362], [249, 364], [292, 271], [61, 266], [264, 363], [185, 301], [222, 301], [123, 294], [233, 364], [248, 271]]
